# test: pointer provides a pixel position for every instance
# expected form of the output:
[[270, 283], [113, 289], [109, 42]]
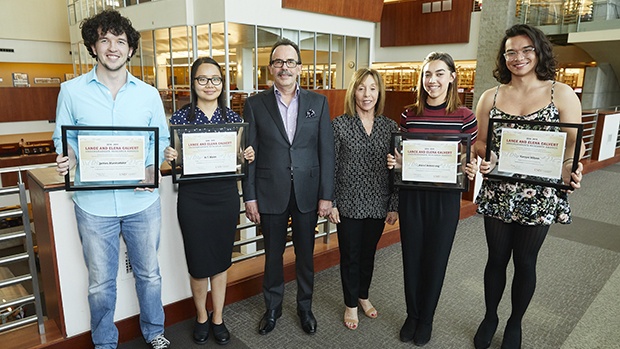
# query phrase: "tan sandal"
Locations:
[[370, 312], [349, 322]]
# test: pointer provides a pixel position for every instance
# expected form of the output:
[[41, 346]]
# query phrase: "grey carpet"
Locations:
[[575, 304]]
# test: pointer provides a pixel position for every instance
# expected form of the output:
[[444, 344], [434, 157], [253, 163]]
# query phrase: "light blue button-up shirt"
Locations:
[[84, 101]]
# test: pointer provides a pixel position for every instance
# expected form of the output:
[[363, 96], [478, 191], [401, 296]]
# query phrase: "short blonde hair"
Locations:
[[356, 80]]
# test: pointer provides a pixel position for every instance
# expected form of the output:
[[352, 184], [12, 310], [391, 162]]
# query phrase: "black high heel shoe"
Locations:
[[485, 332]]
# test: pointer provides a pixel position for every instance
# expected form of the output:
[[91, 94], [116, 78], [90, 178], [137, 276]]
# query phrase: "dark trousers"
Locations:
[[523, 243], [274, 227], [357, 241], [428, 221]]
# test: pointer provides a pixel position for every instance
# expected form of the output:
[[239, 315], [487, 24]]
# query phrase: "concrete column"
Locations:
[[497, 16], [245, 76]]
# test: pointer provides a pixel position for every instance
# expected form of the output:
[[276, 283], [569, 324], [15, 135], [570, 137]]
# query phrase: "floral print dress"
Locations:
[[523, 203]]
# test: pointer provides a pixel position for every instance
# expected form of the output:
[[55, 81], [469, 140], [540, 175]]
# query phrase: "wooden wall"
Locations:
[[335, 98], [28, 103], [395, 102], [367, 10], [404, 24]]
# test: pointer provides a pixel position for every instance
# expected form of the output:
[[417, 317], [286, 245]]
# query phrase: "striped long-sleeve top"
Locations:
[[435, 120]]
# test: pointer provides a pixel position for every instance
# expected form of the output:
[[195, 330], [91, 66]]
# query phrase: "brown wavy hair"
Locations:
[[108, 21]]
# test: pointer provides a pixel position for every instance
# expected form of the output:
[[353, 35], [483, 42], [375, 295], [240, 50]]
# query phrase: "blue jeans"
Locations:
[[100, 238]]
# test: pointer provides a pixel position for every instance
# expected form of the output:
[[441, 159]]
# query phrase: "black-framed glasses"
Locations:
[[203, 80], [290, 63], [512, 55]]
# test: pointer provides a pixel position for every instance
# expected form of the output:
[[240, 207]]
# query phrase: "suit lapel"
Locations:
[[272, 106]]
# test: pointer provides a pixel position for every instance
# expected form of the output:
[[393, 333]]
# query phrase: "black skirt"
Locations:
[[208, 213]]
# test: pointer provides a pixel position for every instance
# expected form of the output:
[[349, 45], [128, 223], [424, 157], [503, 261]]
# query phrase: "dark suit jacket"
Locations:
[[310, 158]]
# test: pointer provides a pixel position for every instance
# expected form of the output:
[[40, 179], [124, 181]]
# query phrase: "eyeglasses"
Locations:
[[203, 80], [512, 55], [278, 63]]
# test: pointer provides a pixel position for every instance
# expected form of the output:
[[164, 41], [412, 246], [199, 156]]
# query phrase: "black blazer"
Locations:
[[310, 158]]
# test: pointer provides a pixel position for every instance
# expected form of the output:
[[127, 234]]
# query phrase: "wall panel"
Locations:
[[404, 24], [367, 10], [28, 103]]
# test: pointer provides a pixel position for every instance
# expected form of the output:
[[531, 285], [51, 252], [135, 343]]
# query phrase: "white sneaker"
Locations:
[[160, 342]]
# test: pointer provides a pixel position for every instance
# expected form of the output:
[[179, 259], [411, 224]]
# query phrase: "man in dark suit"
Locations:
[[292, 176]]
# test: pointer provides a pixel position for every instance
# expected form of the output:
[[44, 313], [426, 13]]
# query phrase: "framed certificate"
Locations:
[[431, 161], [210, 151], [112, 157], [531, 151]]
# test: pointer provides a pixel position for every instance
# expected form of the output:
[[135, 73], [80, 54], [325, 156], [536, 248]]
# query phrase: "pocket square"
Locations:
[[310, 113]]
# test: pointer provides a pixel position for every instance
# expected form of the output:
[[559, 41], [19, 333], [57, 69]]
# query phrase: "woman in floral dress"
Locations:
[[517, 216]]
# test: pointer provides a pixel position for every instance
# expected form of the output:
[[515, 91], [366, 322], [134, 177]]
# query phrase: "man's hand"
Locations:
[[65, 163], [325, 208], [251, 211], [149, 178]]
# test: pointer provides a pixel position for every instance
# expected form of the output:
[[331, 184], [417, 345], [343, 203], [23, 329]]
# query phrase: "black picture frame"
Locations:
[[494, 137], [151, 134], [179, 170], [462, 181]]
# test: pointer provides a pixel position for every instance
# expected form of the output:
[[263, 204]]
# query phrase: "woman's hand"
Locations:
[[471, 168], [394, 161], [575, 176], [488, 166], [334, 216], [170, 154], [391, 218], [248, 154]]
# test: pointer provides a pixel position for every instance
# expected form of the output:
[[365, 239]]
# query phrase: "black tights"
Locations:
[[523, 243]]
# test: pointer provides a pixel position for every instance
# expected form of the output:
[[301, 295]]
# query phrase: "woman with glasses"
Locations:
[[517, 216], [208, 211]]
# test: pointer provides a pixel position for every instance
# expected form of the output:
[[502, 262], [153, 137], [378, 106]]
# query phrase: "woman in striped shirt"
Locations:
[[429, 217]]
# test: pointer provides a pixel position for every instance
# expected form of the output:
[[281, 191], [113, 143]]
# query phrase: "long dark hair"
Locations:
[[546, 66], [221, 100], [452, 95]]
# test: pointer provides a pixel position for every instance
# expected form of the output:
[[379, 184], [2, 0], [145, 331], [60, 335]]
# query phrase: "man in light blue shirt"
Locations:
[[110, 96]]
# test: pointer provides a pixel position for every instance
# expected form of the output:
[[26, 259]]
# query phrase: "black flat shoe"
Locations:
[[201, 332], [422, 334], [408, 329], [308, 322], [220, 333], [268, 321], [512, 337], [484, 334]]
